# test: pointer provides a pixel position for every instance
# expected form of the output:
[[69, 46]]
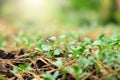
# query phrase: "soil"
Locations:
[[39, 64]]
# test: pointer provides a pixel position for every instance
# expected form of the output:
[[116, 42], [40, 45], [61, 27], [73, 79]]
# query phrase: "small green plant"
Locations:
[[25, 40], [102, 51], [50, 76], [65, 55], [21, 68]]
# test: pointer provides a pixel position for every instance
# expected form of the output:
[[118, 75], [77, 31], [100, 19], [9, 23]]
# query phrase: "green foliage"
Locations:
[[26, 40], [21, 68], [51, 77], [84, 4], [88, 55], [107, 50], [59, 62]]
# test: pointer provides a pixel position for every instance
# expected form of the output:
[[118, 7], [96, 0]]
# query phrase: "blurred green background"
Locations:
[[36, 13]]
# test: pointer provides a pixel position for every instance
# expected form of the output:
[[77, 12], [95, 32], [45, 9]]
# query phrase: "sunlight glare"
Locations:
[[34, 2]]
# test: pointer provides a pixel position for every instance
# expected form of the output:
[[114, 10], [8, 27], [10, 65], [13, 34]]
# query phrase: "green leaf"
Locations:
[[55, 75], [61, 36], [53, 38], [25, 66], [97, 52], [15, 70], [97, 42], [83, 62], [101, 36], [59, 62], [49, 54], [57, 51], [46, 48], [47, 76]]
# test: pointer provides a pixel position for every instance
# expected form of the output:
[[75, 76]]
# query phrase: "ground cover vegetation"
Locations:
[[59, 40], [64, 57]]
